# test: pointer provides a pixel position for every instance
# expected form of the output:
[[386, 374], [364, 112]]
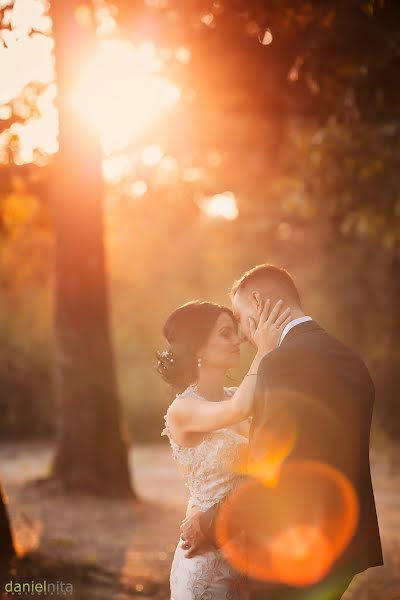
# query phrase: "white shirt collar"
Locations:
[[292, 324]]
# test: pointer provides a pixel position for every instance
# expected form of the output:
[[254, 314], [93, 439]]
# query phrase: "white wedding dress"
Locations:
[[209, 475]]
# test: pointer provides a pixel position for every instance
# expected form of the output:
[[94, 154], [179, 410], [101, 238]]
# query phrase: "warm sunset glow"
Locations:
[[25, 63], [120, 91], [221, 205], [26, 15], [22, 60]]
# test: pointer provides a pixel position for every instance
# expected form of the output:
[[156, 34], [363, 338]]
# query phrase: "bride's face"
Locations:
[[222, 349]]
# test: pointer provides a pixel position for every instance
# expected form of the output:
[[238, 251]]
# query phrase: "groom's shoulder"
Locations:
[[307, 345], [318, 348], [276, 360]]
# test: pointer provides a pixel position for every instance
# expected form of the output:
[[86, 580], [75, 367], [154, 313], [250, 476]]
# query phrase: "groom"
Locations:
[[308, 364]]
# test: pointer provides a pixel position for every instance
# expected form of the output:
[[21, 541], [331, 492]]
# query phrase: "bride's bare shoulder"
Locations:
[[182, 405]]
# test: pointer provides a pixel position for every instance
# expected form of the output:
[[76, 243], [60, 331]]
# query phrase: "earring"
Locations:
[[199, 362]]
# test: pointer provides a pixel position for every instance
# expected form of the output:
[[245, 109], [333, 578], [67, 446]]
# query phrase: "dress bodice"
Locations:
[[210, 469]]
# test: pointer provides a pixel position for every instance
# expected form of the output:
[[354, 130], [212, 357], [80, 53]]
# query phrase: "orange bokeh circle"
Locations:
[[290, 532]]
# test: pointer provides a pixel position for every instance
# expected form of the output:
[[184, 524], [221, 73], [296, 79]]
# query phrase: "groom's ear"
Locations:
[[258, 301]]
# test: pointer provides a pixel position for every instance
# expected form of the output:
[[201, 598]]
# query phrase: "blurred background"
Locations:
[[150, 152]]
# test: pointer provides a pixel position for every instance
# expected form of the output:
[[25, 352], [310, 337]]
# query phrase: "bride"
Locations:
[[207, 425]]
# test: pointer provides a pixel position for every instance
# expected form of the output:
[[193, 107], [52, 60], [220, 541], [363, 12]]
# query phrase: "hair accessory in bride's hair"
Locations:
[[165, 362], [164, 358], [167, 365], [186, 330]]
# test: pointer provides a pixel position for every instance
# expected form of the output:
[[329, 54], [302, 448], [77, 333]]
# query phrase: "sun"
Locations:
[[120, 91]]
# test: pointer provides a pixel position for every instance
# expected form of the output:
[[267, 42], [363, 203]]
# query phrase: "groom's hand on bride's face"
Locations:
[[193, 539]]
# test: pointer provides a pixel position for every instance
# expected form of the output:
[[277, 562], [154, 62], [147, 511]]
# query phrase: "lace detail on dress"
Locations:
[[210, 469]]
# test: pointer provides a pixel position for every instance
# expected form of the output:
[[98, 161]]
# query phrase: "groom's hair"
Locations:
[[268, 275]]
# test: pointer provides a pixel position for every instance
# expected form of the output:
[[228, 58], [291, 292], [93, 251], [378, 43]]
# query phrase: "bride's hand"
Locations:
[[267, 333]]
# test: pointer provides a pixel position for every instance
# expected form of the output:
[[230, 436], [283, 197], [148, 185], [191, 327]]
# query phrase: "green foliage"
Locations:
[[349, 287], [162, 252], [347, 174], [333, 62], [26, 378], [26, 385]]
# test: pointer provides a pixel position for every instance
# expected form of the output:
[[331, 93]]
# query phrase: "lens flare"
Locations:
[[294, 529], [279, 444]]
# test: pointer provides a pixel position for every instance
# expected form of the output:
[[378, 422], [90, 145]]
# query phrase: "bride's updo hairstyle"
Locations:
[[186, 330]]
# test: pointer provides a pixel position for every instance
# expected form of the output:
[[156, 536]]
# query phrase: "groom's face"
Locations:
[[244, 308]]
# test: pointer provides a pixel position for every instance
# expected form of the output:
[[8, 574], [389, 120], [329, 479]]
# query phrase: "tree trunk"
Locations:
[[91, 454], [7, 550]]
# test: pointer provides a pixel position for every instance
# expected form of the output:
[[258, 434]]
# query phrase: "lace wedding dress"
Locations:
[[208, 471]]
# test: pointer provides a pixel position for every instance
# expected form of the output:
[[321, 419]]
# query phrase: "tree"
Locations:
[[7, 550], [313, 61], [317, 80], [91, 453]]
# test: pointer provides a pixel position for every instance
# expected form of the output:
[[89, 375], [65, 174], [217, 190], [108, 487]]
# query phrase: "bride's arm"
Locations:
[[190, 414]]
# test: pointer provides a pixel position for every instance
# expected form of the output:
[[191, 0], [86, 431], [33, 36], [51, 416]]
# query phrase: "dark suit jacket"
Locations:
[[328, 393]]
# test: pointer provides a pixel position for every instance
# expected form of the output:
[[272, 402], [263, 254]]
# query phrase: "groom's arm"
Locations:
[[198, 531], [208, 519]]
